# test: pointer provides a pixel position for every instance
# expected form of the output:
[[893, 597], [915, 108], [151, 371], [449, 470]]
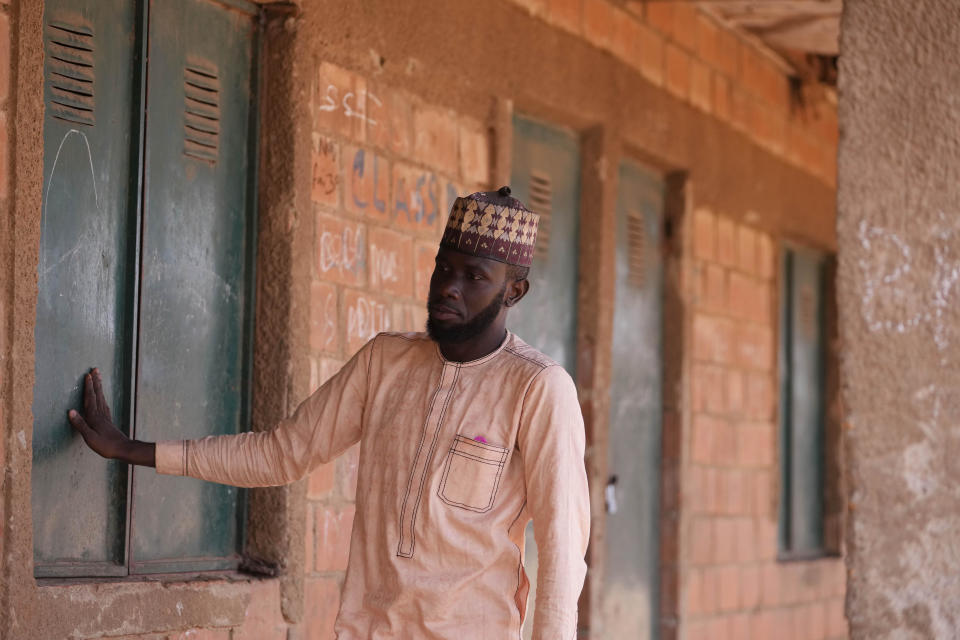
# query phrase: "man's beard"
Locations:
[[460, 333]]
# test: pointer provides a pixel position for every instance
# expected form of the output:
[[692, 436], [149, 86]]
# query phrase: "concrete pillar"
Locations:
[[899, 295]]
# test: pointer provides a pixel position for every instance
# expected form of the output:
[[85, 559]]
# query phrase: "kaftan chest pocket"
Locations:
[[471, 474]]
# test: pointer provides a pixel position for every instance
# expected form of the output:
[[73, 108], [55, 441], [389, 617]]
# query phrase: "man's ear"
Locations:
[[516, 289]]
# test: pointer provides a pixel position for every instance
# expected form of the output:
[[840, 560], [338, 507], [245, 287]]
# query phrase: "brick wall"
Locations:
[[697, 59], [731, 584]]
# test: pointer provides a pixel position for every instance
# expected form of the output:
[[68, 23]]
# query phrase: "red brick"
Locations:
[[326, 181], [474, 154], [764, 625], [706, 433], [566, 14], [763, 79], [409, 317], [707, 39], [713, 287], [726, 242], [435, 137], [598, 22], [729, 588], [685, 28], [711, 590], [648, 54], [756, 445], [749, 587], [770, 584], [759, 396], [625, 35], [746, 538], [766, 256], [725, 540], [739, 627], [764, 506], [698, 630], [707, 387], [263, 619], [341, 250], [334, 101], [741, 109], [725, 445], [701, 541], [721, 97], [693, 592], [734, 392], [323, 369], [417, 198], [390, 124], [836, 620], [332, 536], [321, 600], [322, 480], [726, 57], [755, 346], [367, 189], [677, 71], [425, 254], [323, 317], [391, 262], [660, 16], [713, 339], [701, 89], [704, 234], [747, 250], [365, 316]]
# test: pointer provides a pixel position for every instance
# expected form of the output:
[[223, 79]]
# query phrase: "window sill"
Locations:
[[806, 556], [161, 603]]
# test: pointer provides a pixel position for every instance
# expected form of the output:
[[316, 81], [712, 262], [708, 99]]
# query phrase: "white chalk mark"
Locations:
[[44, 269]]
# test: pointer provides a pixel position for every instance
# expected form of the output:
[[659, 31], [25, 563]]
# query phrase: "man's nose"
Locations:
[[449, 287]]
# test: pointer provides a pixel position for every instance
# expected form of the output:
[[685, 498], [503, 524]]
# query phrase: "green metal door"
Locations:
[[546, 177], [802, 403], [196, 261], [86, 279], [631, 576], [145, 271]]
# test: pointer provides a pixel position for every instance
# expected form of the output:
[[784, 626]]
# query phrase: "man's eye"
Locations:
[[475, 276]]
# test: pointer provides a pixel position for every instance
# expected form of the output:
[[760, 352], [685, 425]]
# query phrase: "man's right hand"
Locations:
[[98, 431]]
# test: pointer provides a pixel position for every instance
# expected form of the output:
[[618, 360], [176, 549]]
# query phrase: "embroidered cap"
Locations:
[[492, 224]]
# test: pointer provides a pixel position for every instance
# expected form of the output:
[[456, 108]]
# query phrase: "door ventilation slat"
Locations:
[[636, 250], [541, 201], [201, 123], [70, 72]]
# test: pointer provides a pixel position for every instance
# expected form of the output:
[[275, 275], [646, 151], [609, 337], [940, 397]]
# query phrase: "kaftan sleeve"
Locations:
[[322, 427], [552, 441]]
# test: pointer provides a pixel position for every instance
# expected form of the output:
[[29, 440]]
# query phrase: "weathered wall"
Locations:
[[899, 288], [432, 93]]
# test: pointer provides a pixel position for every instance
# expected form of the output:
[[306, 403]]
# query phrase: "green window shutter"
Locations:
[[86, 278], [802, 414], [196, 269], [146, 271]]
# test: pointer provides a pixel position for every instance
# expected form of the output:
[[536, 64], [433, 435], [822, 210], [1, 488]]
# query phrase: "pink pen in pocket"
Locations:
[[481, 439]]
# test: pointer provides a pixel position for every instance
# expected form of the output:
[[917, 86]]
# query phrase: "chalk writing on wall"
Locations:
[[366, 317], [342, 252], [360, 105]]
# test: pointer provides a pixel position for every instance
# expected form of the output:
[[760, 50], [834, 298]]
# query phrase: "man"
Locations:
[[465, 433]]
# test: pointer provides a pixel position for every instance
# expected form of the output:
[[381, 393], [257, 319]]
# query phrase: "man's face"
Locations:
[[466, 295]]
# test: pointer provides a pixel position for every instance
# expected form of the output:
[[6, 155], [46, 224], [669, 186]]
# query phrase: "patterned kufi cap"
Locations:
[[492, 224]]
